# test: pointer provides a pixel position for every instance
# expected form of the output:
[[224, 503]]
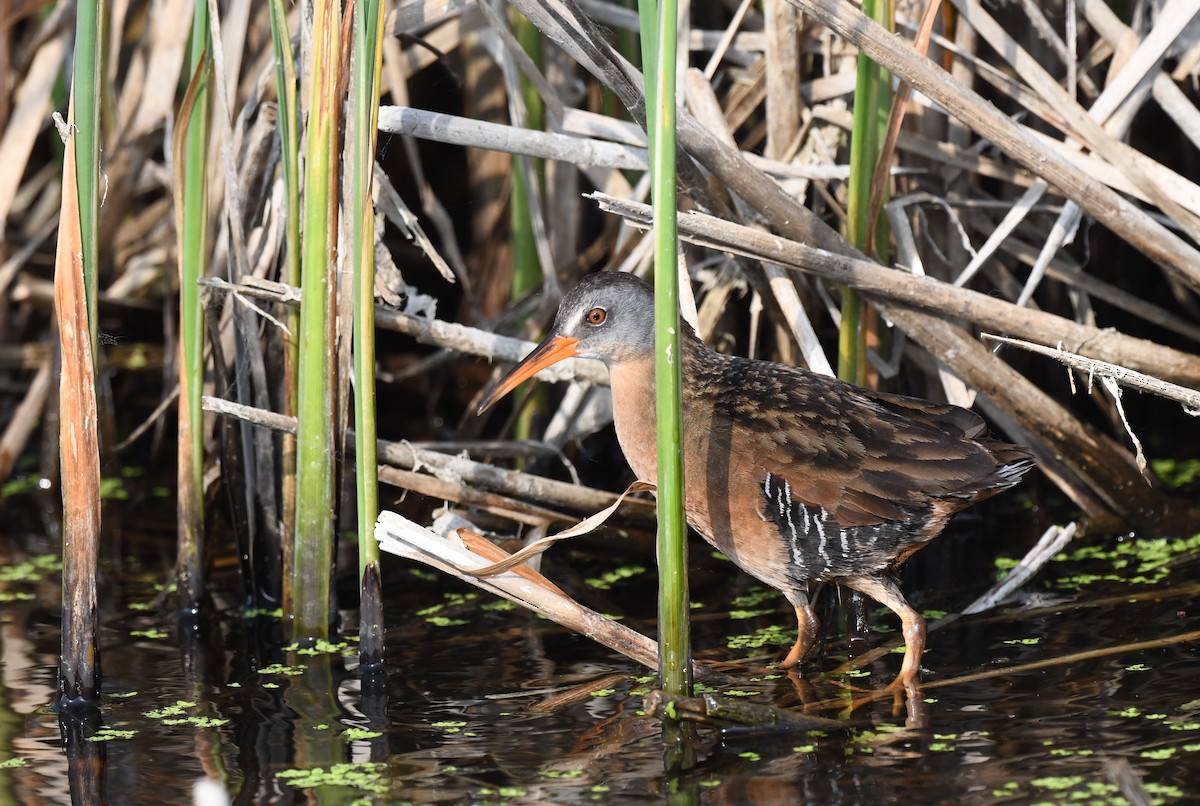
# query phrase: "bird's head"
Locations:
[[608, 316]]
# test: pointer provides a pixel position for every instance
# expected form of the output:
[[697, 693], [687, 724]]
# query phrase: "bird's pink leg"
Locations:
[[808, 623], [886, 593]]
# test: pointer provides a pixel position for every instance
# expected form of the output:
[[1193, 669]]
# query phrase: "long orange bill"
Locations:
[[551, 351]]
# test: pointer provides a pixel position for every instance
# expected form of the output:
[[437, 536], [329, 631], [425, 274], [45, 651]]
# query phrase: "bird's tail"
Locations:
[[1012, 462]]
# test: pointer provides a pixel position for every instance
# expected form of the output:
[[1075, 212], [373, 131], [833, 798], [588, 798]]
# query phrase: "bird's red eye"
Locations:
[[596, 316]]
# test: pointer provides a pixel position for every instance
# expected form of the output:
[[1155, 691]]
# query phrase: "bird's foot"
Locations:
[[794, 656]]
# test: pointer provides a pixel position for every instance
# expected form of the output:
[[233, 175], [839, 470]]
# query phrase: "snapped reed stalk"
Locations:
[[368, 27], [75, 284], [79, 446], [315, 447], [289, 137], [871, 106], [674, 640], [191, 218]]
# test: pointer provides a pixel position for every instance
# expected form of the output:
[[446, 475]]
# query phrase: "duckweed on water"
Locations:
[[757, 595], [503, 792], [1067, 753], [32, 570], [450, 726], [356, 734], [745, 614], [11, 763], [1176, 473], [178, 708], [177, 714], [1138, 561], [21, 485], [771, 635], [113, 489], [364, 775], [279, 668], [500, 605], [321, 647], [151, 633], [606, 581], [107, 734], [1007, 791]]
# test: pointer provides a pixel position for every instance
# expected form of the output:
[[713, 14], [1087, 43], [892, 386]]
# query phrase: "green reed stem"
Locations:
[[871, 104], [192, 216], [526, 268], [315, 446], [88, 133], [289, 137], [674, 642], [368, 37], [527, 273]]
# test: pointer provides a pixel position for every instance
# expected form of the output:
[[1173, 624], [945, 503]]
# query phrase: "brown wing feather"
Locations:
[[867, 458]]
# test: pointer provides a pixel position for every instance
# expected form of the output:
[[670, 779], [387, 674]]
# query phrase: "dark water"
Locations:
[[468, 716]]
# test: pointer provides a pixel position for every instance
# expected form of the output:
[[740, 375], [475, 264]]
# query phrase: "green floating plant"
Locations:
[[32, 570], [1176, 473], [450, 726], [177, 714], [364, 775], [562, 774], [746, 614], [755, 597], [178, 708], [503, 792], [279, 668], [606, 581], [771, 635], [107, 734], [322, 646]]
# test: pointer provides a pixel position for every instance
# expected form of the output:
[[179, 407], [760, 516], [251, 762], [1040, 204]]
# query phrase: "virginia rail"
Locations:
[[796, 477]]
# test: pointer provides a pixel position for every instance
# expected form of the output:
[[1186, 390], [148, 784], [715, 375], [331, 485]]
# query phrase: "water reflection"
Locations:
[[485, 703]]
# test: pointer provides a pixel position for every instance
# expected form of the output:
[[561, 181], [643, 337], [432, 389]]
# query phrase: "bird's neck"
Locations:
[[633, 392], [633, 414]]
